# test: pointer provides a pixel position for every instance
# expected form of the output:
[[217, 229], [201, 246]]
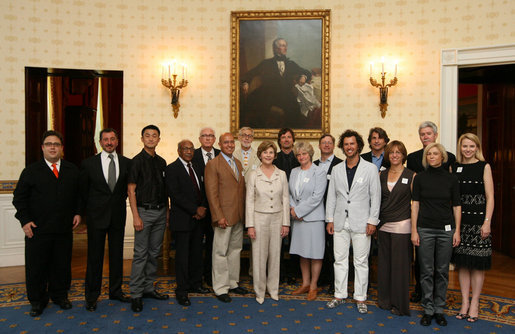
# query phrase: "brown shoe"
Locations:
[[301, 290], [312, 294]]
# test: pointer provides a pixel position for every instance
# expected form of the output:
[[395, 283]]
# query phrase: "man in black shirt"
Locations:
[[428, 132], [286, 161], [149, 206]]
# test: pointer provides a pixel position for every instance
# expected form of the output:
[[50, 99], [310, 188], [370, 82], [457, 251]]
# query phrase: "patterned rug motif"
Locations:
[[207, 315]]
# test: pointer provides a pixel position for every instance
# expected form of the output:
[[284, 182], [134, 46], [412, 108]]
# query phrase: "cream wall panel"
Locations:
[[136, 36], [12, 238]]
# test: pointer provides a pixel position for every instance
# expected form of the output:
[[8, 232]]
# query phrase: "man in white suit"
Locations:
[[245, 153], [352, 213]]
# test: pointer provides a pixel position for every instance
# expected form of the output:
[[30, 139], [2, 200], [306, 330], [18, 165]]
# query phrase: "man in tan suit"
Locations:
[[245, 153], [225, 190]]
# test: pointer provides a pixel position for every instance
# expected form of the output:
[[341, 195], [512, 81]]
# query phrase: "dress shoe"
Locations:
[[91, 306], [224, 298], [208, 281], [137, 304], [239, 290], [36, 310], [301, 290], [426, 320], [121, 297], [156, 295], [312, 294], [183, 300], [330, 290], [64, 304], [440, 319], [200, 290], [415, 297]]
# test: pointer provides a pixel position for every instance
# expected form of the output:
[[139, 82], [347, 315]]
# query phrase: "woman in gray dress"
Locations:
[[307, 188]]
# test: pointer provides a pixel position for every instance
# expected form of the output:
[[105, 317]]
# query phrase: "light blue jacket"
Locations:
[[360, 204], [309, 205]]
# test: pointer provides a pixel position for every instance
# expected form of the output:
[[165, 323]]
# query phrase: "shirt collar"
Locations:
[[184, 162], [227, 158], [105, 155], [57, 163]]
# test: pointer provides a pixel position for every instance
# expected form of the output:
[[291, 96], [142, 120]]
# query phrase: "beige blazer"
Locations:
[[254, 161], [225, 194], [267, 195]]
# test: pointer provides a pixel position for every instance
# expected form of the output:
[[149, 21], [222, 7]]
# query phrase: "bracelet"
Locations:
[[486, 219]]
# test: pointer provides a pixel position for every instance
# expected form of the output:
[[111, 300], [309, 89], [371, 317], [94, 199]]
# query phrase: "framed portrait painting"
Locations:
[[280, 72]]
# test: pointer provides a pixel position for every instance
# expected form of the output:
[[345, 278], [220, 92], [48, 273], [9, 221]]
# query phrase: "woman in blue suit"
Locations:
[[307, 187]]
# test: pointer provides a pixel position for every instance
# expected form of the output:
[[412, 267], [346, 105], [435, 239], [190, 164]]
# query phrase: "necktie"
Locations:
[[209, 157], [111, 173], [54, 169], [193, 179], [246, 159], [234, 169]]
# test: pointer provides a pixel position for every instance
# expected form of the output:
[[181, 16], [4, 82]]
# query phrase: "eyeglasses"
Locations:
[[49, 144], [247, 136], [187, 148], [207, 136]]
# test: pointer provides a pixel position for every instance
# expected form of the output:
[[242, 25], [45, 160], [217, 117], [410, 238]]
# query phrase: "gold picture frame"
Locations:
[[280, 72]]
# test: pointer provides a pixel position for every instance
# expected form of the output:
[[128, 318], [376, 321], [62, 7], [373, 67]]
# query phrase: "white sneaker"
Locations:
[[362, 308], [335, 302]]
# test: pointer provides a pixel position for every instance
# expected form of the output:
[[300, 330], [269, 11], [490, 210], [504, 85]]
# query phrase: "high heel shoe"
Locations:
[[312, 294], [301, 290]]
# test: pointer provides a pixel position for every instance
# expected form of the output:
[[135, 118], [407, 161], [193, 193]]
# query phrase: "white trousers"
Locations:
[[360, 250], [227, 244]]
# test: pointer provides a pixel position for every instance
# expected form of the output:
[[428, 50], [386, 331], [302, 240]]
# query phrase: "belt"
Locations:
[[152, 206]]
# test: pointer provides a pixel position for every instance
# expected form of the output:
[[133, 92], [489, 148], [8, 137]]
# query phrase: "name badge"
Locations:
[[459, 169], [254, 167], [360, 180], [447, 228], [382, 168], [329, 176], [404, 180], [306, 179]]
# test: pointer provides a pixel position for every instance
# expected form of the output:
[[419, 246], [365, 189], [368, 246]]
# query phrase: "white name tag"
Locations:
[[360, 180], [329, 176], [404, 180], [447, 228], [382, 168], [254, 167], [202, 178], [306, 179], [459, 169]]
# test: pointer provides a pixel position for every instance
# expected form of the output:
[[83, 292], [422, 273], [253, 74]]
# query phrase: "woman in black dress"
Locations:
[[473, 256], [435, 228], [394, 232]]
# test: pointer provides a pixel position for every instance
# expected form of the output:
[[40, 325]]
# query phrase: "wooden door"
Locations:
[[499, 149]]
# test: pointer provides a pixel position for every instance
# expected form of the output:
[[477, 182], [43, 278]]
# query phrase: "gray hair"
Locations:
[[304, 147], [245, 128], [428, 124], [207, 128], [179, 144]]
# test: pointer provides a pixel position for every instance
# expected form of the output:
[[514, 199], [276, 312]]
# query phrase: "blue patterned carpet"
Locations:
[[208, 315]]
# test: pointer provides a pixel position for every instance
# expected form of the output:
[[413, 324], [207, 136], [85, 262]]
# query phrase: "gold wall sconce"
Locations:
[[383, 88], [169, 79]]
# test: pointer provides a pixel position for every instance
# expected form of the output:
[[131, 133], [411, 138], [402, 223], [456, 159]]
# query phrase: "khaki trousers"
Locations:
[[227, 244], [266, 249]]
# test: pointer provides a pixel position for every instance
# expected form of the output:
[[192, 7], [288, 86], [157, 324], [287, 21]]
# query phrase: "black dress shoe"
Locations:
[[200, 289], [91, 306], [239, 290], [121, 297], [224, 298], [64, 304], [415, 297], [156, 295], [36, 310], [137, 304], [440, 319], [426, 320], [183, 300]]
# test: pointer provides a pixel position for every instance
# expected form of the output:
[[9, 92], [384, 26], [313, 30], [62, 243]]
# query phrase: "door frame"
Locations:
[[451, 60]]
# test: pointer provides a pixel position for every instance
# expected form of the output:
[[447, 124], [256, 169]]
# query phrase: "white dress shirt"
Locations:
[[104, 157]]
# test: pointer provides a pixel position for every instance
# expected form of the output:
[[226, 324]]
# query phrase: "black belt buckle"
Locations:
[[152, 206]]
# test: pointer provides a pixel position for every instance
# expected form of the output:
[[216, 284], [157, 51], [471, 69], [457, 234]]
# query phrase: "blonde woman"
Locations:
[[474, 255], [267, 219]]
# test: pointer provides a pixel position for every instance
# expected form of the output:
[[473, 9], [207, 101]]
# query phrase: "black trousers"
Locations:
[[96, 244], [48, 266], [188, 259], [208, 233]]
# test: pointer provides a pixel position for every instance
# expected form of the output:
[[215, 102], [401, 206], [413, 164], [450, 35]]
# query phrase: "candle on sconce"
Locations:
[[168, 71], [162, 72], [371, 65], [183, 77], [185, 72], [395, 70]]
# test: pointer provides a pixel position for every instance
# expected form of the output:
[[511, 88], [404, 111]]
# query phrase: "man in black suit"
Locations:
[[188, 207], [202, 155], [47, 205], [273, 103], [104, 194], [327, 161], [377, 139]]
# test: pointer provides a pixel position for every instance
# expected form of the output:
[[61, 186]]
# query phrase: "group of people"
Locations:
[[293, 208]]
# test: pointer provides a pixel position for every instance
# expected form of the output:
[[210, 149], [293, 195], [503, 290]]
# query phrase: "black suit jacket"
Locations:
[[368, 157], [103, 207], [183, 196], [48, 201], [198, 159], [335, 161]]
